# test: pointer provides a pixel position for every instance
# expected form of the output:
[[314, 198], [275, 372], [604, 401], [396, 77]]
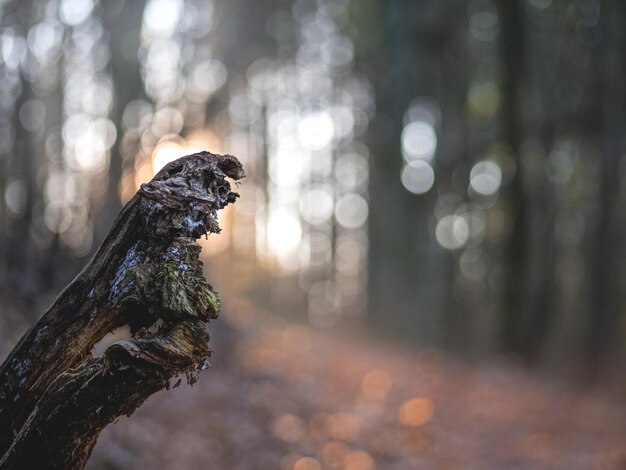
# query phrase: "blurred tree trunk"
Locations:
[[403, 293], [606, 299], [55, 397], [123, 22], [516, 252], [420, 47], [21, 277], [528, 308]]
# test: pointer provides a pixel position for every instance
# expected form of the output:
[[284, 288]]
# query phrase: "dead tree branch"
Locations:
[[55, 396]]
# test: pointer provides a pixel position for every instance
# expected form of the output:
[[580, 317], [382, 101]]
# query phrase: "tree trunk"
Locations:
[[55, 396]]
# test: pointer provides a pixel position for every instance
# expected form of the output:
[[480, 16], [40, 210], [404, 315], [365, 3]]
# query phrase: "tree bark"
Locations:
[[55, 396]]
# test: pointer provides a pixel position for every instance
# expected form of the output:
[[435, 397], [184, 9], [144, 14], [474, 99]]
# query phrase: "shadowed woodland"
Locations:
[[426, 266]]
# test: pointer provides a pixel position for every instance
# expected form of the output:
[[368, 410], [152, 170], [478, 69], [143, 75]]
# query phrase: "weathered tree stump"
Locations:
[[55, 396]]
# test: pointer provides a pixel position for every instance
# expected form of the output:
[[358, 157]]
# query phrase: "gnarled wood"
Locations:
[[55, 397]]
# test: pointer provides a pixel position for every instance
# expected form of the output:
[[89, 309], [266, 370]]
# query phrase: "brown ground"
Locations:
[[290, 397]]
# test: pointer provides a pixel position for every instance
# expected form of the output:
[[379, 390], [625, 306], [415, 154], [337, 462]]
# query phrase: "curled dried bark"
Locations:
[[55, 397]]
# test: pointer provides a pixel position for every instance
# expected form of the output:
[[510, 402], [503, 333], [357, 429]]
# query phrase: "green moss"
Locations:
[[171, 285], [185, 292]]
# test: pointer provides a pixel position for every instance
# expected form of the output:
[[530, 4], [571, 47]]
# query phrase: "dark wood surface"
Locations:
[[55, 396]]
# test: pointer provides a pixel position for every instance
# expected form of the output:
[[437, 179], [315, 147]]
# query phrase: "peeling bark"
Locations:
[[55, 397]]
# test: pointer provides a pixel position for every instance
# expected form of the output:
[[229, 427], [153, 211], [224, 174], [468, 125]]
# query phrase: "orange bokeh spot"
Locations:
[[359, 460], [416, 411], [288, 427], [376, 384], [307, 463], [334, 453], [345, 427]]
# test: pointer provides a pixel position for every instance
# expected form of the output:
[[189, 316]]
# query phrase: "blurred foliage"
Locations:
[[451, 172]]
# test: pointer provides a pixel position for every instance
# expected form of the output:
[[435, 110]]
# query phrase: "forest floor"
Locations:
[[289, 397]]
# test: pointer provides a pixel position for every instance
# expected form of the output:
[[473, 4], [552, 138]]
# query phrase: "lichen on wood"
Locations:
[[55, 397]]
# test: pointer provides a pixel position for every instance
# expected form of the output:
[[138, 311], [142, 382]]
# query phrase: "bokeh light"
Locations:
[[351, 210], [419, 141], [376, 385], [418, 177], [416, 411], [452, 232], [485, 178]]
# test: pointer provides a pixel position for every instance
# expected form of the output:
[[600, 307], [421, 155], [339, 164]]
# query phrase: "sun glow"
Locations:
[[172, 147]]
